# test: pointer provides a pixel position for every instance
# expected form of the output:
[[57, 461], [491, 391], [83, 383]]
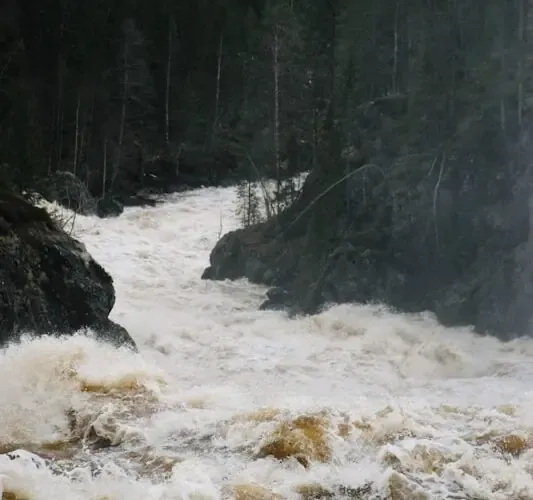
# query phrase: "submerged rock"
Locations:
[[49, 283]]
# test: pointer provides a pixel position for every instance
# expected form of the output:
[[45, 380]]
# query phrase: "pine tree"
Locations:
[[248, 204]]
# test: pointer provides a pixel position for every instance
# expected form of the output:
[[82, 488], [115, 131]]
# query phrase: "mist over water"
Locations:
[[405, 405]]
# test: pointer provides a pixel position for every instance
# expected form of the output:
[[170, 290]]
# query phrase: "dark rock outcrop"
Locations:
[[69, 191], [491, 287], [49, 284], [277, 299], [139, 180], [450, 234], [108, 206], [72, 192]]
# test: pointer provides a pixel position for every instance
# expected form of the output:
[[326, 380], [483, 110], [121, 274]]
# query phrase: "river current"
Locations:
[[224, 401]]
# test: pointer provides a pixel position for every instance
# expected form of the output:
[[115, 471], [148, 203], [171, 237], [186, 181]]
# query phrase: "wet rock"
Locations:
[[277, 294], [50, 284], [208, 274], [111, 332], [278, 298], [231, 258], [108, 206], [226, 259], [351, 275], [254, 270], [69, 191]]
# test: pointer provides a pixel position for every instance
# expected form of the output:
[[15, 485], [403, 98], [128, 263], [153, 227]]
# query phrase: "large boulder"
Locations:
[[50, 284], [108, 206], [69, 191]]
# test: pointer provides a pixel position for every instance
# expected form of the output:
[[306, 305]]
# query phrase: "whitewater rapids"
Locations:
[[402, 407]]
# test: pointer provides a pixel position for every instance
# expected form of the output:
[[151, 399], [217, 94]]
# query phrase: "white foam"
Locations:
[[218, 357]]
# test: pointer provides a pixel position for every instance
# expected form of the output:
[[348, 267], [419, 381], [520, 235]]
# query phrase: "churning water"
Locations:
[[225, 401]]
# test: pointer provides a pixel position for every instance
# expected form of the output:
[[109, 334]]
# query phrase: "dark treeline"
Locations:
[[104, 89], [422, 105]]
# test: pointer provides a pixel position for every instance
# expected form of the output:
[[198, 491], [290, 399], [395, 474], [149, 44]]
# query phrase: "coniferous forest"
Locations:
[[104, 91], [413, 118]]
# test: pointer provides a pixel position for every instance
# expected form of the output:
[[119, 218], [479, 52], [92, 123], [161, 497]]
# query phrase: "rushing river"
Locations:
[[225, 401]]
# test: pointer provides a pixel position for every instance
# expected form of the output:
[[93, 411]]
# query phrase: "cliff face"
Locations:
[[49, 282]]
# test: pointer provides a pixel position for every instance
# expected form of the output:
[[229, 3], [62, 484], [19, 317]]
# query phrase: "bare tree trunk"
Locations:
[[396, 48], [315, 137], [527, 53], [61, 123], [249, 211], [122, 117], [167, 89], [104, 172], [217, 93], [87, 136], [521, 26], [276, 116], [76, 135], [503, 112], [453, 67], [53, 140], [82, 133], [60, 80], [502, 115], [59, 117], [372, 89], [245, 85]]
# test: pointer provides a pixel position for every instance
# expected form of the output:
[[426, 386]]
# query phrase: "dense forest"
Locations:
[[103, 89], [124, 93], [413, 118]]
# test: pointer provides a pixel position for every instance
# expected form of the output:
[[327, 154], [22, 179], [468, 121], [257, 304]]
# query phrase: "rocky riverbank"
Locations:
[[140, 183], [50, 284], [447, 233]]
